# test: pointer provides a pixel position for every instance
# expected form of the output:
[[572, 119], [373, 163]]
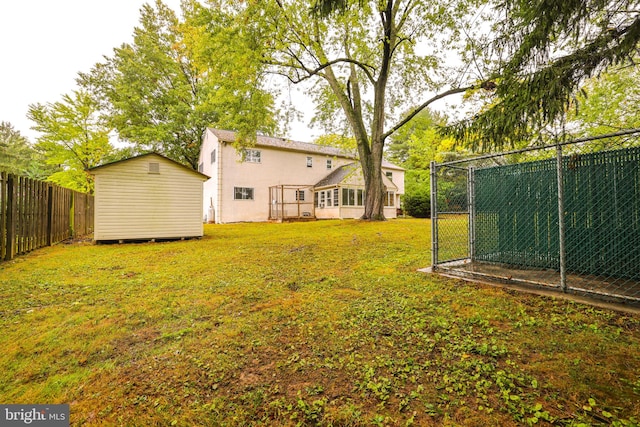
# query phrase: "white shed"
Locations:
[[147, 197]]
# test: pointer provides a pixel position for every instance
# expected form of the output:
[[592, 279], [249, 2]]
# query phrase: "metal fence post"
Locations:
[[561, 233], [471, 202], [434, 215]]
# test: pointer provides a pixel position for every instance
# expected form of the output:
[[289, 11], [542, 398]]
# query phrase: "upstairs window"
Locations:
[[389, 175], [154, 167], [251, 156], [328, 163], [213, 156], [309, 162]]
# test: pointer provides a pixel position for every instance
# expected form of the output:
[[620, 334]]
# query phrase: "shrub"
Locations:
[[417, 205]]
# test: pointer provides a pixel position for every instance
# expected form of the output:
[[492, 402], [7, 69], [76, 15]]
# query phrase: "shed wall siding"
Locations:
[[131, 203]]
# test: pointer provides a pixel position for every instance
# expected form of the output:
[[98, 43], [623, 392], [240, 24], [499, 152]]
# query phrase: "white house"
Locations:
[[147, 197], [278, 179]]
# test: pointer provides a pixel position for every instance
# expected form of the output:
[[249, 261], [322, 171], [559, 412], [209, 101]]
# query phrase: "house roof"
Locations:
[[285, 144], [107, 165], [389, 165], [337, 176], [340, 174], [288, 144]]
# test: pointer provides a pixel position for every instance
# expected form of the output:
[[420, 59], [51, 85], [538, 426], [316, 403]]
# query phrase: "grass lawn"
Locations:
[[319, 323]]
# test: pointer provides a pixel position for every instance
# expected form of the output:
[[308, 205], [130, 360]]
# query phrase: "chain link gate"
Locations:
[[563, 216]]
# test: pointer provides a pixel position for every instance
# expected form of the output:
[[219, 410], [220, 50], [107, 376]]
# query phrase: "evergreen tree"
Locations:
[[547, 50], [16, 154]]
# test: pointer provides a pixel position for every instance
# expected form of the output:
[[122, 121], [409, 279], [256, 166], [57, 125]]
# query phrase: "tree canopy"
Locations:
[[175, 79], [368, 66], [546, 49], [73, 138], [16, 153], [610, 102]]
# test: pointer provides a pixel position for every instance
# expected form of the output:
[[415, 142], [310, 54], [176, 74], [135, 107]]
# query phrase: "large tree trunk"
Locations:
[[372, 167], [371, 162], [370, 149]]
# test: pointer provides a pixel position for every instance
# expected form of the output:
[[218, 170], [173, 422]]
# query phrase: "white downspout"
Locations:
[[219, 190]]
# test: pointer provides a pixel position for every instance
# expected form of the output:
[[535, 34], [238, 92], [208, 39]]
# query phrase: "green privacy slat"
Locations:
[[516, 214]]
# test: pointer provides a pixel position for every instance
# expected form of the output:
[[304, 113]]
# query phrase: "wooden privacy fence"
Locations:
[[34, 214]]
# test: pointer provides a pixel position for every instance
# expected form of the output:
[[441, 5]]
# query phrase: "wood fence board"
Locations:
[[3, 223], [34, 214]]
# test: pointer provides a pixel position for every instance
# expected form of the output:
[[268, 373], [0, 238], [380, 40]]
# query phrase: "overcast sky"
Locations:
[[45, 43]]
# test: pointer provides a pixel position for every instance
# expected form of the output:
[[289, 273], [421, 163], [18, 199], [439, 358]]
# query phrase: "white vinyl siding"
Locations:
[[132, 203], [278, 165]]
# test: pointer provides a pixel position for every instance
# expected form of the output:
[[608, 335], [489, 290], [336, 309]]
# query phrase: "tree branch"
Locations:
[[424, 105], [318, 70]]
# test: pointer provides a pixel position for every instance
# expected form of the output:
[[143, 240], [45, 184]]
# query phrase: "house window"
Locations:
[[348, 197], [242, 193], [251, 156], [309, 162], [336, 193], [322, 199], [300, 195], [328, 163], [389, 175], [329, 199], [315, 199], [360, 197], [213, 156], [154, 167], [389, 199]]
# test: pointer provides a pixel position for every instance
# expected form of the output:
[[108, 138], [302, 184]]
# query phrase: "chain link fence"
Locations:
[[564, 216]]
